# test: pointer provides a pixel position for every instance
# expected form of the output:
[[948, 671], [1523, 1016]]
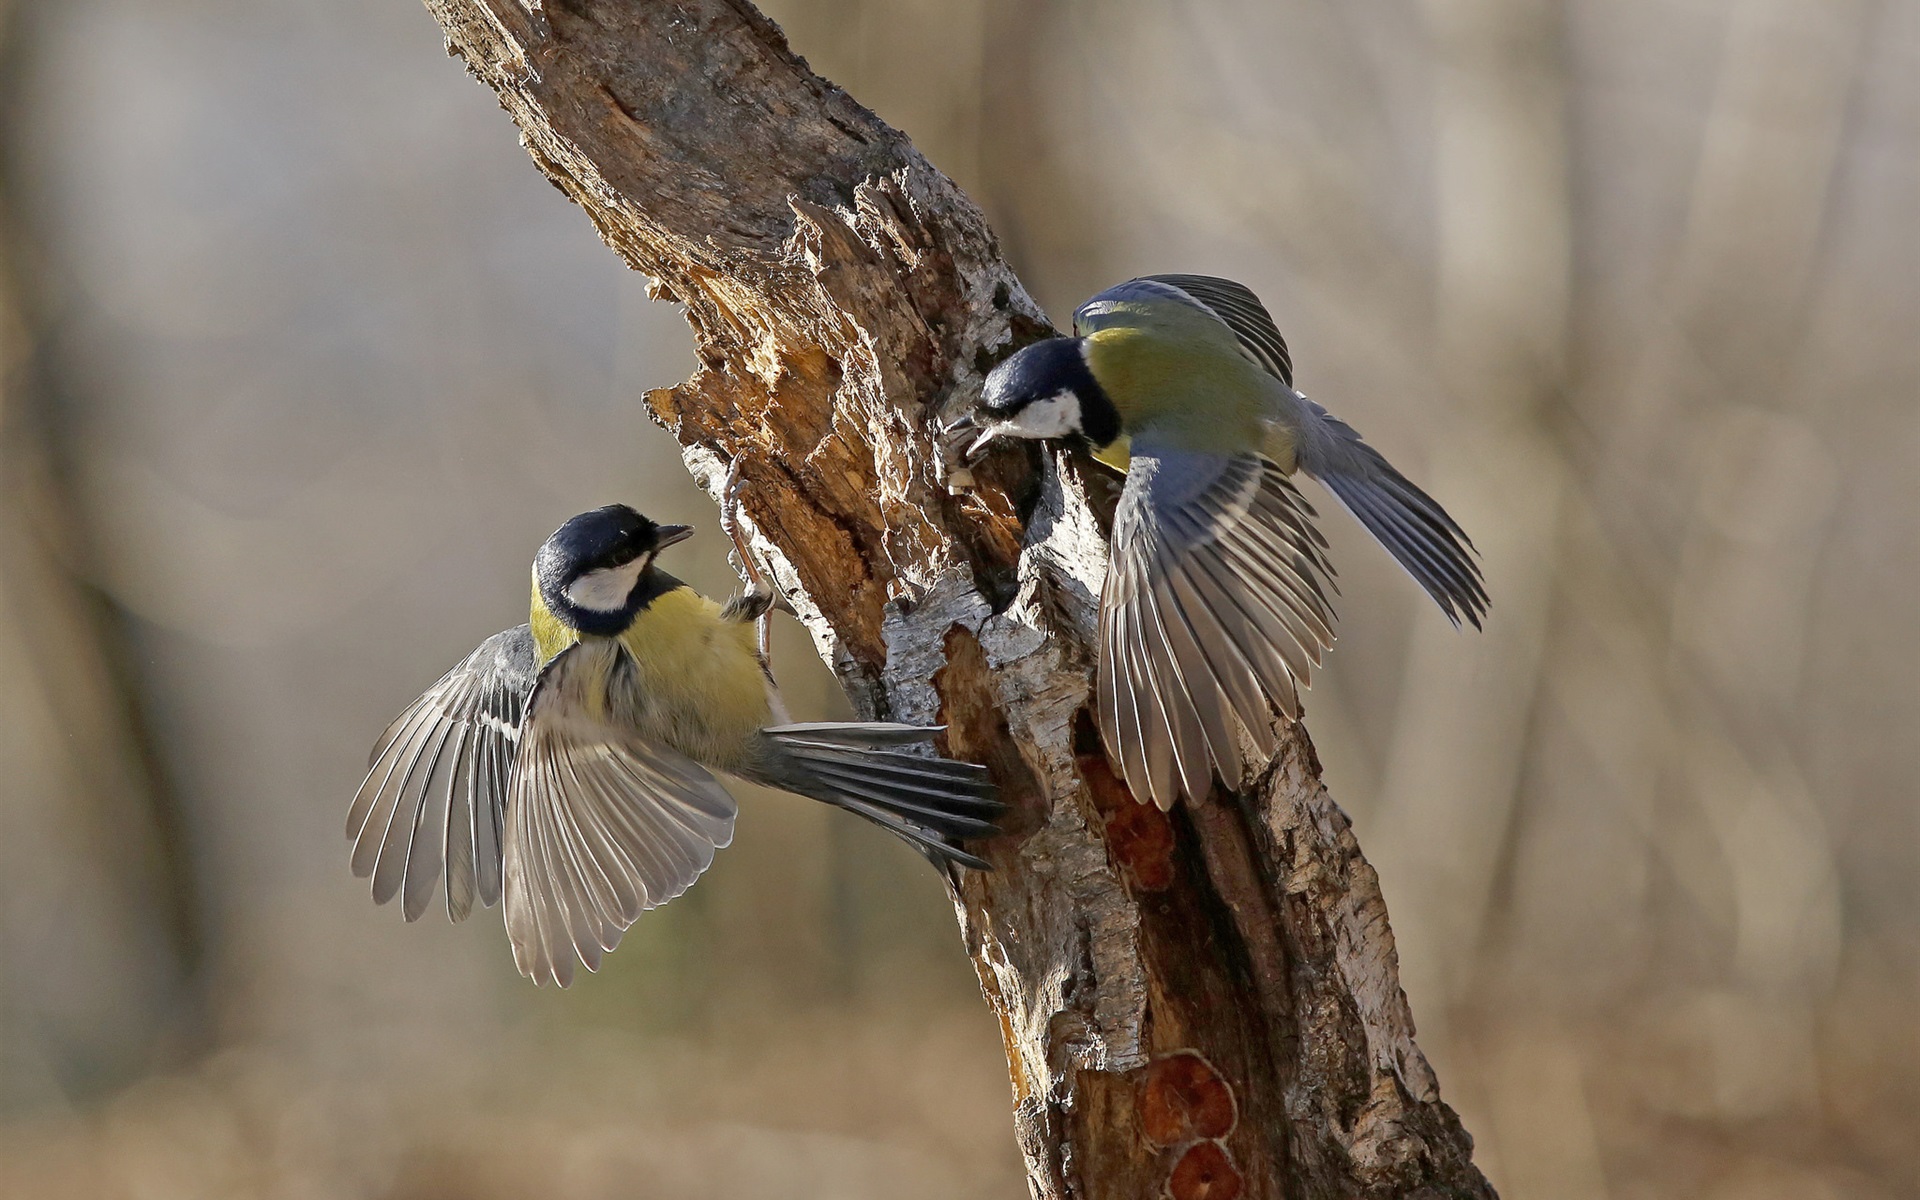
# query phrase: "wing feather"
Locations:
[[1230, 646], [1232, 304], [1129, 743], [1211, 682], [1193, 745], [457, 846], [426, 849], [1412, 525], [1158, 734], [1256, 630], [1214, 613], [374, 806], [602, 824], [1241, 311], [431, 803]]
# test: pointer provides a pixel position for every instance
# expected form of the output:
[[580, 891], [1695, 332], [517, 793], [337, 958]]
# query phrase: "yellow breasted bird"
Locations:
[[1213, 607], [565, 763]]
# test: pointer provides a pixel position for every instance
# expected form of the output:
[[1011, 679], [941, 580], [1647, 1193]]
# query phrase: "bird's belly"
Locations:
[[695, 685]]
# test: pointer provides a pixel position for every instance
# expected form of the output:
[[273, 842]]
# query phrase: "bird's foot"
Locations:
[[755, 602], [749, 604]]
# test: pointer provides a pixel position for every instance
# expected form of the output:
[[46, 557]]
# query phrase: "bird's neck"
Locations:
[[556, 626]]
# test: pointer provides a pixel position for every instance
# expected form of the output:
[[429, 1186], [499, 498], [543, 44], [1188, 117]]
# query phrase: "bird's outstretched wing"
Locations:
[[1241, 311], [1214, 611], [436, 787], [1232, 304], [601, 825], [1408, 522]]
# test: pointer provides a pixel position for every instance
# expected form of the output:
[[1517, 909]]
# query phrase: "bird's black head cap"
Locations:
[[1046, 370], [579, 568]]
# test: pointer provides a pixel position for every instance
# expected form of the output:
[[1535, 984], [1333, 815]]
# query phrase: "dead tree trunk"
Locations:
[[1204, 1004]]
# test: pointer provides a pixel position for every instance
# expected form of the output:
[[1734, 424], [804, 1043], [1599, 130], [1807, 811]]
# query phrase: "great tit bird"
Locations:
[[566, 761], [1213, 608]]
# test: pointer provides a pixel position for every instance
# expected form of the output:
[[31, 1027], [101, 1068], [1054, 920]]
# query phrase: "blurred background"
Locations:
[[300, 358]]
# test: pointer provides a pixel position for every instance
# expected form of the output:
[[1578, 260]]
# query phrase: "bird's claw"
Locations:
[[756, 602]]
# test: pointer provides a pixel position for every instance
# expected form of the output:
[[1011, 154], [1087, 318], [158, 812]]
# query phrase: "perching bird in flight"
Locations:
[[1214, 608], [566, 762]]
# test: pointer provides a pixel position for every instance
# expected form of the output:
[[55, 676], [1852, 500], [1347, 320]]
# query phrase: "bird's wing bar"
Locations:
[[1232, 304], [1214, 610], [602, 825], [1408, 522], [436, 787]]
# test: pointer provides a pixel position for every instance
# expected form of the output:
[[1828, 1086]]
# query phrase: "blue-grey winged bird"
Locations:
[[1214, 608], [567, 762]]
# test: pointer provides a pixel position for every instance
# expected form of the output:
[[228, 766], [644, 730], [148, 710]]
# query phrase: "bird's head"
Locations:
[[1044, 391], [590, 572]]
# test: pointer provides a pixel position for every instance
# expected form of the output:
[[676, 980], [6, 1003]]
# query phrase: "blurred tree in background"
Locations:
[[98, 916], [300, 362]]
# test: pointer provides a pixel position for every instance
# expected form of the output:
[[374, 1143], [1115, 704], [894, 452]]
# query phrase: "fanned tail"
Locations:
[[931, 803], [1421, 537], [1408, 522]]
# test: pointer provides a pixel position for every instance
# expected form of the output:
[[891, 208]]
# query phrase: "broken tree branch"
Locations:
[[1202, 1003]]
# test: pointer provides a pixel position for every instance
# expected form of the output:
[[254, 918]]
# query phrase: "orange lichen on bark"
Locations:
[[1205, 1172], [1182, 1098], [1139, 836]]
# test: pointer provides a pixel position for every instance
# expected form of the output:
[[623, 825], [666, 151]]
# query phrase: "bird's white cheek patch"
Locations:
[[607, 589], [1056, 416]]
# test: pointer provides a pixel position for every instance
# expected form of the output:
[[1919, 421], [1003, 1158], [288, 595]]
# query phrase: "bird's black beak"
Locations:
[[978, 446], [671, 535], [967, 422], [960, 424]]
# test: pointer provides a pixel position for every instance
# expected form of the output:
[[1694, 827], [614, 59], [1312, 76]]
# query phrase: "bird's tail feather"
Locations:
[[1408, 522], [1420, 536], [931, 803]]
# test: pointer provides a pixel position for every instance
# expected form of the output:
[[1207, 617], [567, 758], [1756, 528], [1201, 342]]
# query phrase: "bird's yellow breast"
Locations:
[[701, 680], [697, 684]]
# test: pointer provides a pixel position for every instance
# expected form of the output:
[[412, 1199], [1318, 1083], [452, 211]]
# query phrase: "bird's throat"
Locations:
[[1117, 454]]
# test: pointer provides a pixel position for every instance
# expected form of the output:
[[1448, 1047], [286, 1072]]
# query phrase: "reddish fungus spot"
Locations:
[[1110, 794], [1140, 838], [1182, 1098], [1205, 1172]]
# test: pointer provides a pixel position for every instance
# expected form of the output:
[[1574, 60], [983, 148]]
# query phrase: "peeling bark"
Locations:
[[1202, 1003]]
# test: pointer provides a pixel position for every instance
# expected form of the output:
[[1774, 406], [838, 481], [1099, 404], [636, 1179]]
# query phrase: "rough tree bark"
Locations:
[[1197, 1004]]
